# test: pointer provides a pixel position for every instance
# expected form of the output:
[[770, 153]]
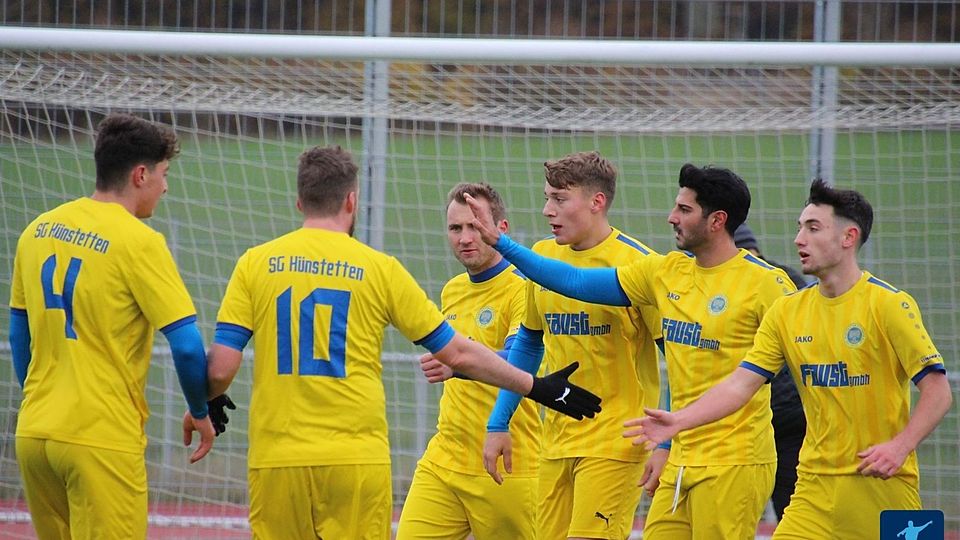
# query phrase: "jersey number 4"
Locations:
[[335, 366], [64, 300]]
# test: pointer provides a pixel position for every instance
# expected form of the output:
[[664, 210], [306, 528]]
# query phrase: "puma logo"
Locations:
[[563, 398], [603, 517]]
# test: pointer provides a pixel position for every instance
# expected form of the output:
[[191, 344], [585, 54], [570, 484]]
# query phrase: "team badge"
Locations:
[[854, 335], [485, 317], [717, 304]]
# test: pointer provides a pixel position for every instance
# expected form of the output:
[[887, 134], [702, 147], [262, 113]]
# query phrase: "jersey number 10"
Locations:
[[335, 366]]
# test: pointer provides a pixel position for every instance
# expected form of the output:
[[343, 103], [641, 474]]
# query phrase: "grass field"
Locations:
[[227, 194]]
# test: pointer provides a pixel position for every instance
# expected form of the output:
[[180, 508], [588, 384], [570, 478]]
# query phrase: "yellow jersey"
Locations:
[[96, 283], [615, 348], [852, 358], [317, 303], [487, 308], [710, 317]]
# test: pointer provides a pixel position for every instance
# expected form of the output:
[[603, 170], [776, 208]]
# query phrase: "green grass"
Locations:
[[229, 194]]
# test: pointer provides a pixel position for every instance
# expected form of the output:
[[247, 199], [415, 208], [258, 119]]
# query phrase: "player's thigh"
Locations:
[[333, 501], [106, 490], [432, 509], [555, 494], [45, 490], [811, 511], [860, 500], [668, 517], [500, 511], [728, 501], [605, 498]]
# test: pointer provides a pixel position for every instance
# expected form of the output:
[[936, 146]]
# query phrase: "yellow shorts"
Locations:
[[79, 491], [446, 504], [330, 501], [588, 497], [712, 502], [843, 506]]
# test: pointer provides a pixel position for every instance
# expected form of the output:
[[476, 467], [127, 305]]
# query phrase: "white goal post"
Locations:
[[450, 110]]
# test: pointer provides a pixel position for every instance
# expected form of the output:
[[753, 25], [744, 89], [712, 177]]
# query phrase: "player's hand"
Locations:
[[558, 393], [883, 460], [483, 221], [218, 412], [652, 470], [205, 427], [654, 428], [498, 444], [434, 370]]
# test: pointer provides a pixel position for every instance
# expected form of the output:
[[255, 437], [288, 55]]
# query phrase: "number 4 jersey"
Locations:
[[317, 303], [95, 283]]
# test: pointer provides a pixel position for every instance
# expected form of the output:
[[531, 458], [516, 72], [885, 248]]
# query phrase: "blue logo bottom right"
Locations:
[[911, 525]]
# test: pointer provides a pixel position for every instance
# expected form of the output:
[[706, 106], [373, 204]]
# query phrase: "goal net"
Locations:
[[242, 122]]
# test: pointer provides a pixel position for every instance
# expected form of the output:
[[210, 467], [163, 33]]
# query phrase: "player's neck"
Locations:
[[123, 200], [595, 235], [716, 252], [331, 223], [840, 279]]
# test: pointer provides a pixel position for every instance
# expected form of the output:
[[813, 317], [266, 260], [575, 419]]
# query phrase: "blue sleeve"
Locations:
[[190, 361], [232, 335], [665, 403], [594, 285], [438, 338], [526, 353], [20, 343]]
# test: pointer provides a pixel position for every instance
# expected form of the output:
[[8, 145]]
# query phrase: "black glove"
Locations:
[[559, 394], [218, 414]]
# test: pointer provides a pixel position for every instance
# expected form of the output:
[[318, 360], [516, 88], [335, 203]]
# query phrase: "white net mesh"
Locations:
[[242, 123]]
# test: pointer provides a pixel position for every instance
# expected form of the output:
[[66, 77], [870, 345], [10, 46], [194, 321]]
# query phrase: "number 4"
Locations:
[[64, 300]]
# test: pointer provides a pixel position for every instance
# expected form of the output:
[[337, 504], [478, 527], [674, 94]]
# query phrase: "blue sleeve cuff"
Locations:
[[758, 370], [178, 324], [526, 353], [233, 336], [665, 445], [438, 339], [928, 370], [20, 343], [190, 361]]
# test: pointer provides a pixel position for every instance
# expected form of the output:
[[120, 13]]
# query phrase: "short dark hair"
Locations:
[[479, 190], [583, 169], [846, 203], [324, 178], [124, 141], [718, 189]]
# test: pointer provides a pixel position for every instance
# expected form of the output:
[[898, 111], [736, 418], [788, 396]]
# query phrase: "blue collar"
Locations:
[[491, 272]]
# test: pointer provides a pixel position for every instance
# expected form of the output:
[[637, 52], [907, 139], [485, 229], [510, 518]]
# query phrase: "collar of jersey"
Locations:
[[491, 272]]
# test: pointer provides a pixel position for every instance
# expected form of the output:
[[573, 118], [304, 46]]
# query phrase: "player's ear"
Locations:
[[851, 237], [299, 205], [138, 175], [598, 203], [350, 203], [503, 226]]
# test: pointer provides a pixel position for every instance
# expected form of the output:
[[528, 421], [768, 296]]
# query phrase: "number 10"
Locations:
[[335, 366]]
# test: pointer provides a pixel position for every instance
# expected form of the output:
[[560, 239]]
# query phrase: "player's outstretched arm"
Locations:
[[727, 396], [555, 391], [190, 362], [885, 459], [595, 285]]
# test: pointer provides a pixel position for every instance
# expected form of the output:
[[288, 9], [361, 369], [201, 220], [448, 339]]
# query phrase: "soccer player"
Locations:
[[451, 495], [318, 302], [91, 284], [852, 343], [588, 473], [789, 423], [711, 298]]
